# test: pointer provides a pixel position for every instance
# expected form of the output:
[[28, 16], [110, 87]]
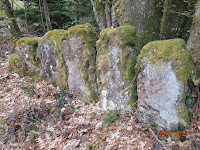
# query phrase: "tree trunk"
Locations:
[[25, 12], [44, 29], [48, 22], [99, 15], [108, 14], [167, 4], [12, 24]]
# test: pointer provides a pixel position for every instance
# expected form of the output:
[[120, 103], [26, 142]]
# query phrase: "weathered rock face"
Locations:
[[162, 96], [27, 48], [193, 43], [53, 66], [25, 61], [64, 58], [79, 52], [116, 58], [135, 13], [153, 19]]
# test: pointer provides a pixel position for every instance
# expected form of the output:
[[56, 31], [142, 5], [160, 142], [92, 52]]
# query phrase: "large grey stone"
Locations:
[[79, 52], [164, 67], [53, 66], [116, 57]]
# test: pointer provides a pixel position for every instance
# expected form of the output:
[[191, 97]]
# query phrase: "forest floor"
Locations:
[[37, 115]]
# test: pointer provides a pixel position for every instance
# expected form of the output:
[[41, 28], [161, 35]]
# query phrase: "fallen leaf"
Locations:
[[197, 82]]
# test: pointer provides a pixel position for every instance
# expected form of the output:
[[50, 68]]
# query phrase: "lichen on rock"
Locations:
[[165, 66], [53, 67], [27, 48], [116, 56], [80, 55], [18, 65]]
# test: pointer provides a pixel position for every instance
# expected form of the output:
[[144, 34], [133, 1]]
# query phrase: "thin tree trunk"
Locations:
[[108, 14], [44, 29], [48, 22], [12, 24], [167, 3], [26, 20], [12, 4], [100, 16]]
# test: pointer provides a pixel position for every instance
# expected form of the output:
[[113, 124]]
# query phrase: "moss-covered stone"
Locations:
[[28, 41], [165, 66], [127, 38], [18, 65], [86, 54], [51, 43], [169, 50], [116, 58], [27, 48]]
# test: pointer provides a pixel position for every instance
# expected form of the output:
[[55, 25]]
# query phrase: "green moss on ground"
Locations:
[[168, 50], [87, 61]]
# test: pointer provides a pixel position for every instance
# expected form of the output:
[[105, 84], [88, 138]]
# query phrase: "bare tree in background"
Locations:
[[26, 20], [48, 22], [40, 7]]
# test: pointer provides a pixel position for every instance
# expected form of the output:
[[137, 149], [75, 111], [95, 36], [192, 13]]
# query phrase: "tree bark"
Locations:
[[47, 17], [44, 29], [100, 16], [10, 19], [108, 14], [26, 20]]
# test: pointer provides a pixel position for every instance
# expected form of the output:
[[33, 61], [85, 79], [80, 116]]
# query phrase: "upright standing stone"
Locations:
[[116, 58], [78, 48], [26, 59], [53, 67], [162, 96]]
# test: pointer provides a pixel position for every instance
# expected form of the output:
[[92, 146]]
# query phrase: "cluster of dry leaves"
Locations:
[[84, 129]]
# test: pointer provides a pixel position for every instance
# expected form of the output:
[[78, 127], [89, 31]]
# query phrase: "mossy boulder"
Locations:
[[165, 66], [116, 57], [193, 43], [18, 65], [79, 52], [53, 67], [27, 48]]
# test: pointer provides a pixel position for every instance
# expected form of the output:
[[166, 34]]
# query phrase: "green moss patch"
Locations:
[[168, 50], [29, 41]]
